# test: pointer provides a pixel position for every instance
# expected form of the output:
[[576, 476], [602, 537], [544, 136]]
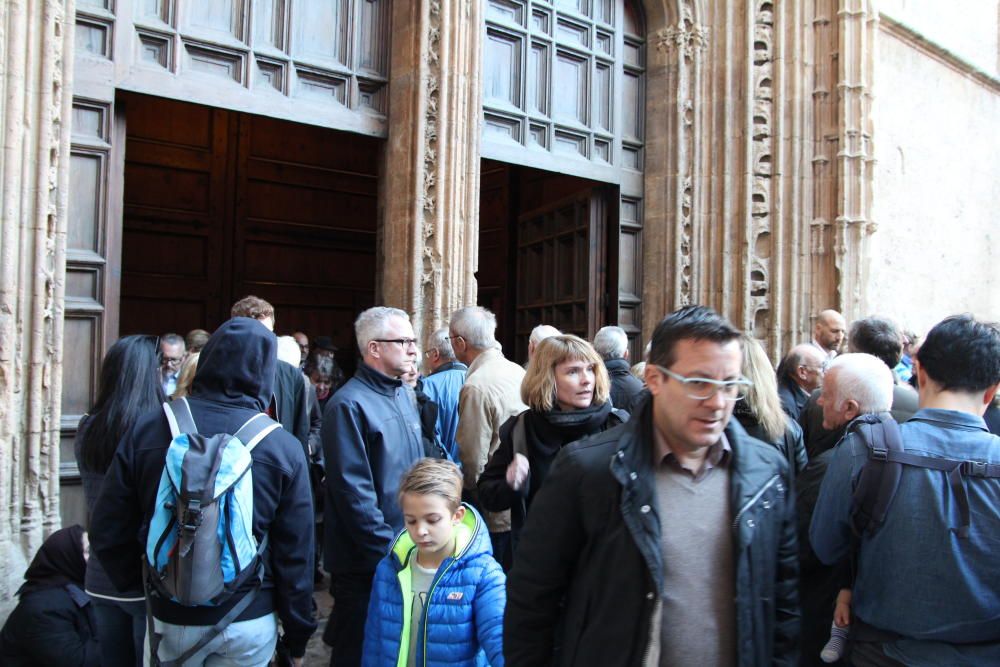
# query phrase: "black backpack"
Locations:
[[880, 475]]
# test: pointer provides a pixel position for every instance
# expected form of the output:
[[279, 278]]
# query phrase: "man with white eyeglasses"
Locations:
[[371, 435], [669, 540]]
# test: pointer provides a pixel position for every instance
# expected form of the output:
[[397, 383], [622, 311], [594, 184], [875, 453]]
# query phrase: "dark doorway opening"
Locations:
[[547, 252], [220, 204]]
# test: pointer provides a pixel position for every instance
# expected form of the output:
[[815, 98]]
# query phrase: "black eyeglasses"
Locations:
[[402, 342]]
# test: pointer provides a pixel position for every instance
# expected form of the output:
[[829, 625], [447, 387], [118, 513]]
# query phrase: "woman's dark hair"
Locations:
[[130, 386]]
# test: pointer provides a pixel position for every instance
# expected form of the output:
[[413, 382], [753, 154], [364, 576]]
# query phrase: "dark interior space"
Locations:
[[220, 204], [544, 252]]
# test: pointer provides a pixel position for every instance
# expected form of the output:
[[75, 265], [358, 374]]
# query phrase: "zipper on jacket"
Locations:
[[750, 503], [427, 607]]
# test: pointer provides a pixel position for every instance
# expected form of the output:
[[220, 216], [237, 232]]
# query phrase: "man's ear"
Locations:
[[851, 409], [654, 378], [990, 393]]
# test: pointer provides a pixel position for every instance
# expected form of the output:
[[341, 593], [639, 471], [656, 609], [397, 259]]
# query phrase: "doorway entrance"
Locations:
[[544, 252], [220, 204]]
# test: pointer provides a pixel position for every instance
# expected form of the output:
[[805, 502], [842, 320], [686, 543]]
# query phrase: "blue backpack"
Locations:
[[200, 547]]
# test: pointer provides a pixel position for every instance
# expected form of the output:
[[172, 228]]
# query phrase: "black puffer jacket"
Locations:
[[50, 627], [234, 381], [589, 566]]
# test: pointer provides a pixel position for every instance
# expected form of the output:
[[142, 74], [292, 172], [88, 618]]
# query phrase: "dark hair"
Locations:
[[788, 365], [962, 354], [326, 366], [688, 323], [130, 386], [878, 337]]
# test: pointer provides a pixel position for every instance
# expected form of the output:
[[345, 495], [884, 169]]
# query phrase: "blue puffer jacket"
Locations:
[[463, 621]]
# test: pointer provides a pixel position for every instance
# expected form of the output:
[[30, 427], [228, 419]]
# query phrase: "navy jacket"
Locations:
[[463, 621], [234, 381], [371, 435], [624, 386]]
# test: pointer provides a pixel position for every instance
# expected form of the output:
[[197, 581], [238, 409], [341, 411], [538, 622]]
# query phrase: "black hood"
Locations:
[[237, 365]]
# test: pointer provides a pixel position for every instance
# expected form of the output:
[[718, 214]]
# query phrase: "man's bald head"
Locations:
[[830, 330], [803, 365]]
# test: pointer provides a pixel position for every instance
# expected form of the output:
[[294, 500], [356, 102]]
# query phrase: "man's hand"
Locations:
[[517, 472]]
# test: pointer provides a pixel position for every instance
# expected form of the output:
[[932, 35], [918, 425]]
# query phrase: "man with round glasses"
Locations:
[[677, 516]]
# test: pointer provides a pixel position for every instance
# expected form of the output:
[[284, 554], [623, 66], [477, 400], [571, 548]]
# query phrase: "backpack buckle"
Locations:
[[879, 454], [192, 518], [974, 468]]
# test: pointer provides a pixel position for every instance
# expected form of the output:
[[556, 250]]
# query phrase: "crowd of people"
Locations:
[[704, 506]]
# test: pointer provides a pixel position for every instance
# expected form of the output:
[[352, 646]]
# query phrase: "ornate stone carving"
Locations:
[[34, 124], [756, 299]]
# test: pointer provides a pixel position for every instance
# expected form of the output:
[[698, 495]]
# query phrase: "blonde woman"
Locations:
[[760, 412], [566, 390], [186, 376]]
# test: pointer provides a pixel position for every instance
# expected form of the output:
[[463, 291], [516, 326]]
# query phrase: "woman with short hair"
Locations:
[[566, 390]]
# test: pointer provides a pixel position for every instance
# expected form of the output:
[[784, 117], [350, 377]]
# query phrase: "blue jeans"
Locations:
[[243, 644], [115, 621]]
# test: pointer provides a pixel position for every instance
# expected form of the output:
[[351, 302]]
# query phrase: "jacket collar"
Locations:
[[951, 418], [485, 357], [617, 366], [377, 381], [451, 366]]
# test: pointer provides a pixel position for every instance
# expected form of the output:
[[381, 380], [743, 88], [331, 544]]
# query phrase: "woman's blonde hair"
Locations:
[[433, 476], [762, 397], [538, 389], [186, 376]]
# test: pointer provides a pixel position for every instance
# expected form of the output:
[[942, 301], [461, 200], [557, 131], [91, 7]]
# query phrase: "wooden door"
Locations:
[[176, 261], [562, 269], [220, 204]]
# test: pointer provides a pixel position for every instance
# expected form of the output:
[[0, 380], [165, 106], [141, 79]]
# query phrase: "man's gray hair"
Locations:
[[476, 325], [865, 379], [611, 343], [441, 341], [541, 332], [372, 324]]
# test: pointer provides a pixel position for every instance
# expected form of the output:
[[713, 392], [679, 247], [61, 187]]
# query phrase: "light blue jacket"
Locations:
[[916, 576], [463, 620], [443, 386]]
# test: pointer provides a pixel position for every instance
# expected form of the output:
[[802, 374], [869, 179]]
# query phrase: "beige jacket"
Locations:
[[491, 395]]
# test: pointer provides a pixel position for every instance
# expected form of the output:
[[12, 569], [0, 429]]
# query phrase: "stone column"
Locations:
[[36, 42], [430, 226]]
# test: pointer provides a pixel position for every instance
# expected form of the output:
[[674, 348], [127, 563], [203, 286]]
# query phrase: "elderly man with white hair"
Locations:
[[611, 343], [538, 334], [491, 395], [855, 384], [371, 435]]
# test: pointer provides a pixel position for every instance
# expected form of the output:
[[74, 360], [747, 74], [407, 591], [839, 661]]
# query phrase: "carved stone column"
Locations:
[[35, 69], [677, 44], [430, 226]]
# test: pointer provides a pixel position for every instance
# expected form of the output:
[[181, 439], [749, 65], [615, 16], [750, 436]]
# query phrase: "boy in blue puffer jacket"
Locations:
[[439, 595]]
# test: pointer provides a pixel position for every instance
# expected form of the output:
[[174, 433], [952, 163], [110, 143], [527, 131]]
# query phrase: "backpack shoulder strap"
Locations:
[[179, 417], [621, 415], [256, 429], [880, 475]]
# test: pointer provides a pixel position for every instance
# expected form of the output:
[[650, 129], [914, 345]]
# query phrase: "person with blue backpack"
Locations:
[[207, 506], [438, 596]]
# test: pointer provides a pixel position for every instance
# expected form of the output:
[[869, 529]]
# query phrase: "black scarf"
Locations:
[[58, 562], [548, 432]]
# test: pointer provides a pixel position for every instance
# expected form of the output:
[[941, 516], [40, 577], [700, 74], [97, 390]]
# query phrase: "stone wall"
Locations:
[[35, 40], [936, 116]]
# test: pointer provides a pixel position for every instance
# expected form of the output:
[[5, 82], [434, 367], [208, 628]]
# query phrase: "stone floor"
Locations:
[[318, 653]]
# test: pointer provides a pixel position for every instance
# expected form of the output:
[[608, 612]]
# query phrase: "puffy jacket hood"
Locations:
[[471, 540], [237, 365]]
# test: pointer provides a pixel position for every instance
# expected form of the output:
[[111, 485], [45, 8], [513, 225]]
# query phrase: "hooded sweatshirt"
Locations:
[[234, 381]]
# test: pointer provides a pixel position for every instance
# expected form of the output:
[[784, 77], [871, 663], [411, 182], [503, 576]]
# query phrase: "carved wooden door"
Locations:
[[562, 272]]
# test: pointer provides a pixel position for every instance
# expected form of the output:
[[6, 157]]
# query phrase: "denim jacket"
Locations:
[[916, 577]]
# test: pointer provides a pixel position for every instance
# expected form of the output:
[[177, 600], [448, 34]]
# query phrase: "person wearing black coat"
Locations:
[[234, 382], [53, 623], [567, 389], [590, 584]]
